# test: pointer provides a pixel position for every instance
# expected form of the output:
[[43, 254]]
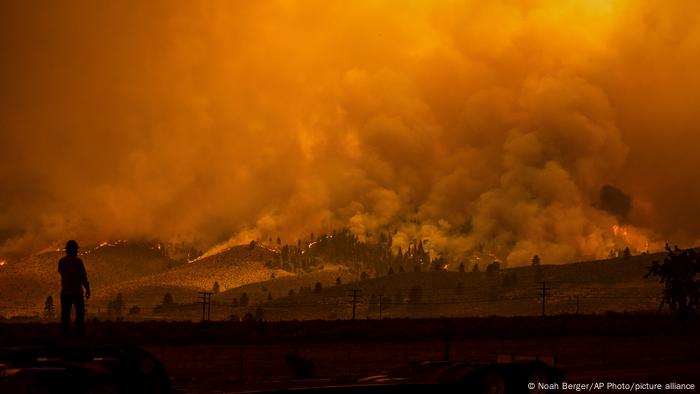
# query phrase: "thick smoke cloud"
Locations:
[[486, 128]]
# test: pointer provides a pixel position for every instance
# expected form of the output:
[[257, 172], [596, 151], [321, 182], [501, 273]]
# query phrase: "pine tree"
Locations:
[[167, 299], [116, 306], [216, 288], [49, 308], [259, 314], [493, 268], [461, 268], [535, 260]]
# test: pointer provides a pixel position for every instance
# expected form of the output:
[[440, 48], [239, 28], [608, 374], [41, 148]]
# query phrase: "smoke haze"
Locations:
[[482, 127]]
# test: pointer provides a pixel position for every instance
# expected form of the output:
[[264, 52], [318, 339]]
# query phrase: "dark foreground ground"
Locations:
[[216, 357]]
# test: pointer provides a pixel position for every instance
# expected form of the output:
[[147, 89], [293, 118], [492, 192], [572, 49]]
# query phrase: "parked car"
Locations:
[[88, 370]]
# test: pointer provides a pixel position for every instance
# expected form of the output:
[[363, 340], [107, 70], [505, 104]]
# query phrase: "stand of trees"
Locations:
[[680, 274], [345, 247]]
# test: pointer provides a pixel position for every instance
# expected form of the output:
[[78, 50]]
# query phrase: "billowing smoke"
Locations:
[[616, 202], [485, 128]]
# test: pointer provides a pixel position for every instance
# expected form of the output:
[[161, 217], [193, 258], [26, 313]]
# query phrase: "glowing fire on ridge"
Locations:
[[620, 231], [635, 238]]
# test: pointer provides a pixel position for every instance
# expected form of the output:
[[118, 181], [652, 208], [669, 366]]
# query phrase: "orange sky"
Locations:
[[477, 125]]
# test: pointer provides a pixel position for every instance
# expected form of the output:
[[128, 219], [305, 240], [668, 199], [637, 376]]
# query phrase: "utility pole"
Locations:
[[544, 292], [354, 301], [205, 300]]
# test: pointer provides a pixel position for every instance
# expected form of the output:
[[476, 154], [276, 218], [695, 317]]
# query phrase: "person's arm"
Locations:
[[84, 280]]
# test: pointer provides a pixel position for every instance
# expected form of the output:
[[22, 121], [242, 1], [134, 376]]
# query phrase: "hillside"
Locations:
[[587, 287], [28, 281], [280, 287], [143, 273], [234, 267]]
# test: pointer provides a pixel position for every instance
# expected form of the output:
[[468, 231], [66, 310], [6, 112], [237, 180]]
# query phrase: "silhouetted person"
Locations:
[[73, 279]]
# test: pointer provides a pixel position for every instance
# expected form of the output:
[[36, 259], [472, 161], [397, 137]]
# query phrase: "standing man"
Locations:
[[73, 279]]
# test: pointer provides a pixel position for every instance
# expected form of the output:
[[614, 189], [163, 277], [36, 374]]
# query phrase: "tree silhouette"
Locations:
[[244, 299], [679, 273], [626, 254], [461, 268], [116, 306], [535, 260], [493, 268], [49, 308], [166, 306], [259, 314], [216, 288], [338, 281], [134, 310], [318, 287], [476, 268]]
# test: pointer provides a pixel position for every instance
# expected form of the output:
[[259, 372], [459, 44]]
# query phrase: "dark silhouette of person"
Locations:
[[73, 279]]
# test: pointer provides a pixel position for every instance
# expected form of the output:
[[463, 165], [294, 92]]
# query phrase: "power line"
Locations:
[[205, 297], [544, 292], [354, 301]]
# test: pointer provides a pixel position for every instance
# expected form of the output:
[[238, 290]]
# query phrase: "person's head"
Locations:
[[71, 248]]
